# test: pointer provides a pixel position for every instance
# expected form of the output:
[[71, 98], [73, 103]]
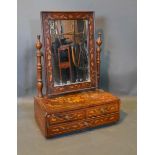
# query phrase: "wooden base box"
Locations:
[[76, 111]]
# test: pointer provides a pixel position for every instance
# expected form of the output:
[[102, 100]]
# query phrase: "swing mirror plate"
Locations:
[[70, 62]]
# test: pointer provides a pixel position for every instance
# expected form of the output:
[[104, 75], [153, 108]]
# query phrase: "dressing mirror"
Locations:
[[69, 51]]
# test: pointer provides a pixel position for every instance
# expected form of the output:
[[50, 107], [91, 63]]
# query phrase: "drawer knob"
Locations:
[[67, 117], [48, 116], [86, 123], [102, 110]]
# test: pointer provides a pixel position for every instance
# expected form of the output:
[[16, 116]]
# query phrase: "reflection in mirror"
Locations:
[[70, 56]]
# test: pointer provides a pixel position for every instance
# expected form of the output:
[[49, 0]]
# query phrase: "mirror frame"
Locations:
[[52, 90]]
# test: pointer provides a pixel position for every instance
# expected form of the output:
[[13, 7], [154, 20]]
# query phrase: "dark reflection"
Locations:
[[69, 51]]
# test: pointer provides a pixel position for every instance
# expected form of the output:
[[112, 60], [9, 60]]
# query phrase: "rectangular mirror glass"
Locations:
[[70, 56]]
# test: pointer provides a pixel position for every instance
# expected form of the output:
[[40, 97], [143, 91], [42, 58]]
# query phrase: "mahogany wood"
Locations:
[[98, 51], [39, 67], [52, 90], [76, 111]]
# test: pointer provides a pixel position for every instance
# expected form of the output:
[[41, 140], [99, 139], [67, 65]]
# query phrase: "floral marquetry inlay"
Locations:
[[79, 100], [51, 89], [72, 101]]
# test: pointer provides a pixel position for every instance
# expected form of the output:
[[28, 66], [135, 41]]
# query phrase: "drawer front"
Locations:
[[103, 109], [66, 116], [82, 124], [66, 127], [104, 119]]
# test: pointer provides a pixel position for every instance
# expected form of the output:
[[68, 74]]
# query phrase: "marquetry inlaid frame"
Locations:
[[52, 90]]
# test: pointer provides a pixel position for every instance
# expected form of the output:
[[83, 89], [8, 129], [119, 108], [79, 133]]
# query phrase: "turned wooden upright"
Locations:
[[39, 67], [98, 51]]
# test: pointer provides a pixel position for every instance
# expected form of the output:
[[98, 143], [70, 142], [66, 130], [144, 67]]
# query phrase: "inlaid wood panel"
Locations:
[[65, 128], [103, 119], [66, 116], [82, 124], [104, 109], [77, 100], [74, 112], [52, 90], [40, 117]]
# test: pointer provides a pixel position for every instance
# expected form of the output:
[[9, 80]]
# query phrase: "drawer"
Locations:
[[66, 116], [66, 127], [82, 124], [104, 119], [103, 109]]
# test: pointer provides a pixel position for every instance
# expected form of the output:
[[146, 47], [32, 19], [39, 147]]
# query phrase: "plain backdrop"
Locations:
[[116, 19]]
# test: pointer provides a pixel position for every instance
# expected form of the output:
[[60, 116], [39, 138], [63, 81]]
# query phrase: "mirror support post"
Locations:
[[98, 51], [38, 46]]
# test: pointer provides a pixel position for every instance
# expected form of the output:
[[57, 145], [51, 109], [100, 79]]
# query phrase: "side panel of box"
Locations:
[[40, 117]]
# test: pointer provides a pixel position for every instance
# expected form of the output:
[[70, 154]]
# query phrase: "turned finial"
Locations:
[[98, 50], [38, 45], [99, 41]]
